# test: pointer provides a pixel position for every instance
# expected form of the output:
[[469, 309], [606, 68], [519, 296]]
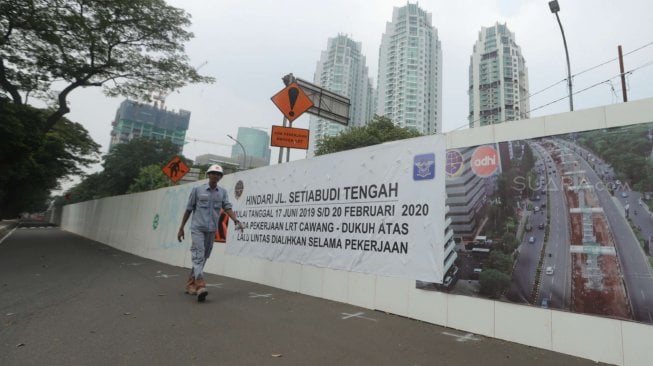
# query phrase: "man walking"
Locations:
[[205, 202]]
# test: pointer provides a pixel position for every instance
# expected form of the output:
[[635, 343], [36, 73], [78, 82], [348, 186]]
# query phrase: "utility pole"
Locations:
[[244, 152], [623, 76], [287, 80], [555, 8]]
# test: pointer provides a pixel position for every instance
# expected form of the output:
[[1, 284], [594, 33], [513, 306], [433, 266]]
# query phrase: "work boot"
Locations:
[[200, 288], [191, 287]]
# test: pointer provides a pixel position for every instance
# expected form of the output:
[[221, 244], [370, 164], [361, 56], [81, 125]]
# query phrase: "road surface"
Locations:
[[66, 300]]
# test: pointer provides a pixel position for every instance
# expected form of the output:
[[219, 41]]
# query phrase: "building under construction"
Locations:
[[135, 119]]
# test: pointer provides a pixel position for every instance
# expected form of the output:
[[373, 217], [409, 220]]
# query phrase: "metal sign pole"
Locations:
[[300, 96], [281, 148], [288, 149]]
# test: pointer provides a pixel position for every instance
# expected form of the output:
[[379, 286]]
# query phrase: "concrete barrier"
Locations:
[[146, 224]]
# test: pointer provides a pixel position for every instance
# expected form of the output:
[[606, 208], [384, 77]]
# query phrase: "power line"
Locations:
[[612, 60], [587, 70], [565, 79], [609, 81]]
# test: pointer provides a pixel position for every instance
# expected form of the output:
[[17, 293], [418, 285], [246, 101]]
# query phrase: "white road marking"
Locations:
[[254, 294], [643, 296], [218, 285], [163, 275], [356, 315], [460, 338], [6, 236]]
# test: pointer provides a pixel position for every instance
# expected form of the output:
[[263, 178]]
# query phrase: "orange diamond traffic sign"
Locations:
[[292, 101], [175, 169]]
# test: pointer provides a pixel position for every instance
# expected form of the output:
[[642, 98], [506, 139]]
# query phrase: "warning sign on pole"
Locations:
[[296, 138], [292, 101], [175, 169]]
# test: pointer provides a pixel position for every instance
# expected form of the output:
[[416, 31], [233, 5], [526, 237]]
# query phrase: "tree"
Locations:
[[509, 242], [124, 162], [87, 189], [32, 161], [130, 48], [626, 149], [500, 261], [493, 283], [149, 178], [379, 130], [528, 160]]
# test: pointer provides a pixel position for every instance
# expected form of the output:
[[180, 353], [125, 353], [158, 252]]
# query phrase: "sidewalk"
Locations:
[[107, 307]]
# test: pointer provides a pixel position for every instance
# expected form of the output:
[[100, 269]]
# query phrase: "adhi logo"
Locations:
[[485, 161]]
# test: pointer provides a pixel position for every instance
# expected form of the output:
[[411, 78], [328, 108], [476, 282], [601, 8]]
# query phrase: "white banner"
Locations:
[[379, 209]]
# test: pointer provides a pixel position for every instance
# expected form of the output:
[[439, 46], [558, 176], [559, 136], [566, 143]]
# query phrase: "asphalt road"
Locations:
[[66, 300], [524, 278], [634, 264], [556, 287]]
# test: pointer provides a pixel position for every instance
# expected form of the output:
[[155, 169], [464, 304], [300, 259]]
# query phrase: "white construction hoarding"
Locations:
[[376, 210]]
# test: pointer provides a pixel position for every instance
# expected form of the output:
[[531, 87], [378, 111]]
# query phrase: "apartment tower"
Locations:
[[498, 79], [342, 70], [410, 71]]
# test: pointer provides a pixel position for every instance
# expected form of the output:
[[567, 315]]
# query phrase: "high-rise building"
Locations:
[[135, 119], [410, 71], [256, 145], [342, 70], [498, 78], [466, 193]]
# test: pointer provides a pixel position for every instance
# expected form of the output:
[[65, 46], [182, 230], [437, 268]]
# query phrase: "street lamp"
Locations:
[[555, 8], [244, 152]]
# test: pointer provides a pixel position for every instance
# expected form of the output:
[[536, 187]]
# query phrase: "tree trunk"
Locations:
[[63, 106], [9, 87]]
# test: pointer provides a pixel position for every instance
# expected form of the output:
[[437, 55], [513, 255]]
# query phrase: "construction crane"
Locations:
[[160, 98]]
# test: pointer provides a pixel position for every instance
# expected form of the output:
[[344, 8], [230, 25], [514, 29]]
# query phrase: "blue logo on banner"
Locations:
[[424, 167]]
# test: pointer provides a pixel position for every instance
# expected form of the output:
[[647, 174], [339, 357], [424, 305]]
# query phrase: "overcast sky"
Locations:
[[249, 45]]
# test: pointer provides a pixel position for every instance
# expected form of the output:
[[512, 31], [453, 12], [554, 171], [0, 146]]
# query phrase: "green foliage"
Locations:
[[379, 130], [509, 242], [149, 178], [628, 150], [528, 160], [123, 168], [502, 205], [124, 162], [500, 261], [645, 184], [33, 161], [87, 189], [493, 283], [520, 178], [128, 48]]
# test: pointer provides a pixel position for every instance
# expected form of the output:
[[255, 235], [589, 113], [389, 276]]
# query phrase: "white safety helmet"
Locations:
[[215, 168]]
